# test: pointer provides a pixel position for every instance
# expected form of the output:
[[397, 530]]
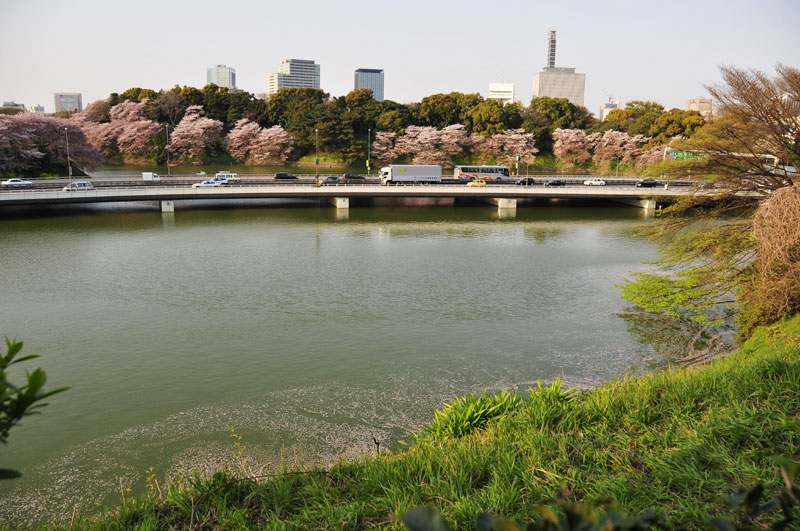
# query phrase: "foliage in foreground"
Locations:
[[675, 442], [734, 242], [18, 401], [561, 514]]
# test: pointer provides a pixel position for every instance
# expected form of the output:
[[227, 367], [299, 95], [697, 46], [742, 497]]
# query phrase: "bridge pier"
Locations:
[[340, 202], [167, 206], [647, 204], [502, 203]]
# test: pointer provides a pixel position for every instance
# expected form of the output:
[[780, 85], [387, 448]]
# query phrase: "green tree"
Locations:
[[487, 118], [546, 114], [673, 123], [138, 94], [734, 243], [19, 401]]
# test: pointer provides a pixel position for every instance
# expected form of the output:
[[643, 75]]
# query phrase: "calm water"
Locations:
[[306, 333]]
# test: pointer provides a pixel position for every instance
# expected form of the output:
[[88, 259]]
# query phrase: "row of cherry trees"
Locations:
[[429, 145], [574, 147], [125, 133]]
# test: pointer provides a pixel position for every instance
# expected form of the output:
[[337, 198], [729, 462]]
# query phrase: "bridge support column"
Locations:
[[340, 202], [167, 206], [647, 204], [502, 203]]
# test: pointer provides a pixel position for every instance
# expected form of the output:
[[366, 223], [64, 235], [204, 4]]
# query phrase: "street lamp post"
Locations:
[[168, 168], [69, 163], [316, 153], [369, 135]]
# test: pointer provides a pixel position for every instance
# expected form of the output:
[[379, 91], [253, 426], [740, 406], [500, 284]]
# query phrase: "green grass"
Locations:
[[677, 441]]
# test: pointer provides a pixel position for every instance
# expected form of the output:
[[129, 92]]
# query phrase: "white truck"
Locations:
[[227, 176], [411, 173], [150, 176]]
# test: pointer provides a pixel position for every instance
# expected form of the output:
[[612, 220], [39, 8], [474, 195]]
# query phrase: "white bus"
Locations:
[[481, 173]]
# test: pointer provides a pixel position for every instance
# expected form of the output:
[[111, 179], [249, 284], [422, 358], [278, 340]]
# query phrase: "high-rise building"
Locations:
[[38, 109], [293, 73], [13, 105], [606, 108], [221, 76], [704, 106], [370, 78], [502, 92], [68, 101], [558, 82]]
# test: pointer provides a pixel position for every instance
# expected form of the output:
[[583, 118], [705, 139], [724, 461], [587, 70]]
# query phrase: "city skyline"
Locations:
[[627, 50]]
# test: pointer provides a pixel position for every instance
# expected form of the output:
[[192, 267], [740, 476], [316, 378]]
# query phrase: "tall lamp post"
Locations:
[[69, 163], [167, 147], [369, 137], [316, 154]]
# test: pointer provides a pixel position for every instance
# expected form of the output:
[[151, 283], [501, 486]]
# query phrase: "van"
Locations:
[[150, 176], [78, 185]]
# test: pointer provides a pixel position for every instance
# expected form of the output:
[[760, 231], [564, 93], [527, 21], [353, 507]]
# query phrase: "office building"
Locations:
[[293, 73], [222, 76], [68, 101], [705, 106], [37, 109], [558, 82], [502, 92], [370, 78], [13, 105], [606, 108]]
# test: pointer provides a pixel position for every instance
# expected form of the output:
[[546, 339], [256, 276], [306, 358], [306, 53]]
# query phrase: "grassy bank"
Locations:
[[677, 441]]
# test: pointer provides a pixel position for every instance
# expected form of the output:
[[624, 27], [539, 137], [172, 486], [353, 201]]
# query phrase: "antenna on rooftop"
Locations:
[[551, 49]]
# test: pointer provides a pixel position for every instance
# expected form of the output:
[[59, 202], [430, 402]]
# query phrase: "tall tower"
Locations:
[[558, 81]]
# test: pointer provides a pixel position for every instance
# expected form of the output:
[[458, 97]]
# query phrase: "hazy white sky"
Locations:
[[648, 50]]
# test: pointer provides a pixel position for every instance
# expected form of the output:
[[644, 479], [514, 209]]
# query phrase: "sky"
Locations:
[[629, 50]]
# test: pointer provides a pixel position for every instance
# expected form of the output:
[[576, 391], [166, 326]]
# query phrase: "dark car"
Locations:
[[555, 182], [352, 178], [526, 181], [646, 183], [284, 175]]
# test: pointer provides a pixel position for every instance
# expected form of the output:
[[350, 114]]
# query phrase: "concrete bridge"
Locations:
[[504, 196]]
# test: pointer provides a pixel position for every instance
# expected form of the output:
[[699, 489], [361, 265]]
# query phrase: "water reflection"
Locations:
[[677, 341]]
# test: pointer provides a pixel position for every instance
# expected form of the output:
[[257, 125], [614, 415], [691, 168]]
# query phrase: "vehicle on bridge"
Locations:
[[526, 181], [555, 183], [594, 181], [284, 175], [646, 183], [227, 177], [411, 173], [78, 186], [206, 184], [17, 183], [150, 176], [481, 173], [329, 180], [352, 178], [476, 183]]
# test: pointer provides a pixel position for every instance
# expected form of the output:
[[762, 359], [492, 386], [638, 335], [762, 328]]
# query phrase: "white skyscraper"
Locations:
[[558, 82], [221, 76], [502, 92], [370, 78], [293, 73], [606, 108]]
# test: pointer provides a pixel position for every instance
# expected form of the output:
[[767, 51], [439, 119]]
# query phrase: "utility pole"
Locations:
[[69, 163], [369, 135]]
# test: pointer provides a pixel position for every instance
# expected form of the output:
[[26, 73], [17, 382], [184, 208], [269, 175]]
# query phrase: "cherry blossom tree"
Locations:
[[195, 136], [247, 142], [32, 144], [618, 146], [570, 146], [383, 147]]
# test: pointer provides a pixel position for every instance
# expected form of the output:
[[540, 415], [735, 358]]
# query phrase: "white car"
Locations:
[[594, 182], [17, 182], [204, 184]]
